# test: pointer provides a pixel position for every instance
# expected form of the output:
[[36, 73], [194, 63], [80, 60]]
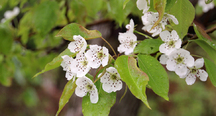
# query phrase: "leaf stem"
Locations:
[[109, 45], [143, 34], [196, 56]]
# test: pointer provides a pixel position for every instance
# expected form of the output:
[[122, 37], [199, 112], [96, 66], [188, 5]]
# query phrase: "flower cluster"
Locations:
[[173, 56], [77, 68]]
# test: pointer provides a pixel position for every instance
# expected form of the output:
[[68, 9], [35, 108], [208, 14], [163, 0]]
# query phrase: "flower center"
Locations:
[[179, 59], [193, 70], [100, 54], [171, 43], [131, 44], [113, 77], [89, 87], [84, 63]]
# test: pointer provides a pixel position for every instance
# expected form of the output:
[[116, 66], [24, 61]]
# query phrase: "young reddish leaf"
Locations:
[[135, 78], [66, 94], [159, 5], [75, 29]]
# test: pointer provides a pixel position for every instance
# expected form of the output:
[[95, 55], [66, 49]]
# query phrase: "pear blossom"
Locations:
[[163, 59], [179, 60], [127, 40], [80, 65], [143, 5], [195, 72], [66, 64], [172, 42], [97, 55], [79, 45], [85, 85], [205, 7], [150, 18], [111, 80]]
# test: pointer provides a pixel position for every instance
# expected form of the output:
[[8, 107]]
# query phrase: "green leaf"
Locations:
[[45, 16], [66, 94], [102, 107], [117, 12], [133, 77], [184, 11], [158, 79], [211, 68], [202, 34], [148, 46], [125, 3], [56, 62], [159, 5], [209, 49], [75, 29], [169, 4], [6, 39]]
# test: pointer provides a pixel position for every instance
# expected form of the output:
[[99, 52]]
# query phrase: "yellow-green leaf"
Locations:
[[75, 29], [135, 78]]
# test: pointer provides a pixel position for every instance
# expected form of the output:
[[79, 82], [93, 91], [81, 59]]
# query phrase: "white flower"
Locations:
[[205, 7], [10, 14], [195, 72], [111, 80], [85, 85], [179, 60], [150, 18], [130, 26], [172, 42], [80, 65], [77, 46], [97, 55], [143, 5], [66, 64], [127, 40], [163, 59]]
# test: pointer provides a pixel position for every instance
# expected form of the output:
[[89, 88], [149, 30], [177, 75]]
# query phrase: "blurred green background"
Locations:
[[28, 43]]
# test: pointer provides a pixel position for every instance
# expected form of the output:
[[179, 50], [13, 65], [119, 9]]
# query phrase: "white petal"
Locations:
[[189, 61], [94, 95], [202, 74], [178, 44], [165, 35], [181, 70], [174, 35], [118, 85], [171, 65], [121, 48], [130, 26], [112, 70], [199, 63], [80, 92], [72, 46], [106, 58], [163, 48], [163, 59], [69, 75], [190, 79], [104, 78], [141, 4], [173, 18], [107, 87]]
